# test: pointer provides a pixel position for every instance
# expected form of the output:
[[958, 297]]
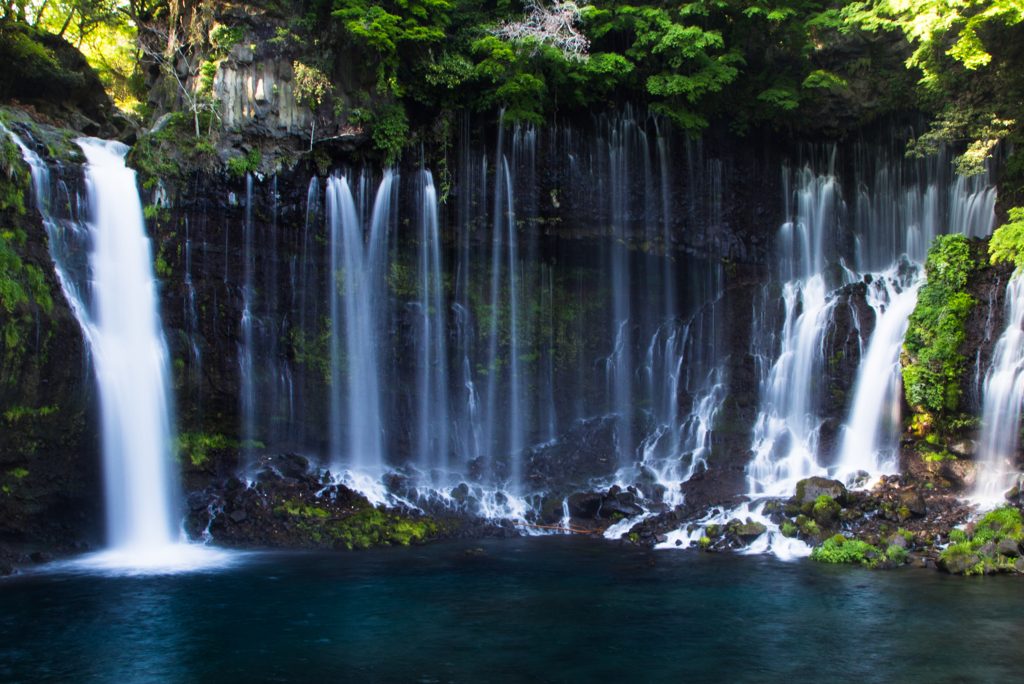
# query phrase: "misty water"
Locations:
[[553, 609]]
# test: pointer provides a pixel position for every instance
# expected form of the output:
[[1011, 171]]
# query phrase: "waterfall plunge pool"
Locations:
[[551, 609]]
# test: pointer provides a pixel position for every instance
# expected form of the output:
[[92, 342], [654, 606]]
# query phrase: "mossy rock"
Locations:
[[813, 487]]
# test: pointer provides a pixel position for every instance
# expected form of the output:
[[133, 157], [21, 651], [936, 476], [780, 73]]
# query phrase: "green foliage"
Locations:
[[390, 131], [839, 549], [897, 554], [311, 84], [174, 150], [1007, 242], [998, 525], [957, 536], [789, 529], [932, 362], [250, 163], [197, 446]]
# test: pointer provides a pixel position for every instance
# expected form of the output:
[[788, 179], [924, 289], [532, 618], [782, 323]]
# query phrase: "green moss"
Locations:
[[704, 542], [789, 529], [825, 509], [374, 527], [17, 413], [197, 446], [931, 359], [999, 524]]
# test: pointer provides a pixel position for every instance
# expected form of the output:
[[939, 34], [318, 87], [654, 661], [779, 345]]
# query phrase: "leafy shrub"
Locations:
[[1007, 243], [957, 536], [239, 166]]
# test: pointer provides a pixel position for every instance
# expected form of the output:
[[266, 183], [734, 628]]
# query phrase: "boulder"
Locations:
[[1019, 565], [813, 487], [897, 540], [914, 502], [1009, 548], [960, 564], [621, 505], [988, 549], [585, 504], [749, 531], [237, 516]]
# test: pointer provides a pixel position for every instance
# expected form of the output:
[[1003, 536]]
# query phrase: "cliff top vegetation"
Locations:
[[799, 65]]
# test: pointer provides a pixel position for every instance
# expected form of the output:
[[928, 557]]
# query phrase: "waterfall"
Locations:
[[432, 372], [247, 384], [786, 431], [356, 276], [1003, 398], [871, 435], [125, 335]]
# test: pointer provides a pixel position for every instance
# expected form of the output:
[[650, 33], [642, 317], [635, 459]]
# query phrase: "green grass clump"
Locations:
[[998, 525], [839, 549]]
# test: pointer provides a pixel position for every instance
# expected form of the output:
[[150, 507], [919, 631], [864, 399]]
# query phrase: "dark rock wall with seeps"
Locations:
[[719, 209]]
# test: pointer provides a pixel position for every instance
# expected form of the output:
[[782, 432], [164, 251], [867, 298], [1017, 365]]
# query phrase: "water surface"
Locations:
[[531, 610]]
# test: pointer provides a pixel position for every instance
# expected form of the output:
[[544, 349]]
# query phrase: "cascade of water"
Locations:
[[497, 241], [624, 138], [871, 435], [191, 318], [112, 292], [130, 353], [786, 430], [247, 384], [432, 382], [516, 437], [120, 320], [1003, 399], [357, 271]]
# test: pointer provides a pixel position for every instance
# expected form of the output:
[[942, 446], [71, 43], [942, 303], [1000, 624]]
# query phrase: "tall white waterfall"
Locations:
[[125, 335], [1004, 395], [432, 371], [357, 272]]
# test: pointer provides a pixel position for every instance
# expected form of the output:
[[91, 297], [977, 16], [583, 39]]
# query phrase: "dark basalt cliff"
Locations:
[[220, 236]]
